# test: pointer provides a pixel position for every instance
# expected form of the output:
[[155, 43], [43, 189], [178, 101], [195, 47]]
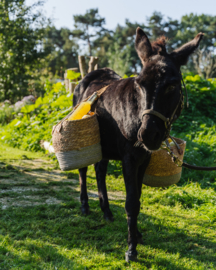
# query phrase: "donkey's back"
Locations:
[[92, 82]]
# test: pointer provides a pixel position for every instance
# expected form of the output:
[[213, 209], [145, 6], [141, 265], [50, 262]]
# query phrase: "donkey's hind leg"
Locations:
[[83, 191], [101, 170]]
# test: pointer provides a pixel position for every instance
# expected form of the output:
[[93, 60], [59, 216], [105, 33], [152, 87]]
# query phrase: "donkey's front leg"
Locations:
[[83, 191], [132, 205], [101, 170], [140, 175]]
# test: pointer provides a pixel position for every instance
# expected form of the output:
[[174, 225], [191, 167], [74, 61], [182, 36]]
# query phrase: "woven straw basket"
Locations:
[[77, 143], [161, 171]]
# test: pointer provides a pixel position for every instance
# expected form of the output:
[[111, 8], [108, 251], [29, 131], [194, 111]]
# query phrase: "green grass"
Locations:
[[177, 223]]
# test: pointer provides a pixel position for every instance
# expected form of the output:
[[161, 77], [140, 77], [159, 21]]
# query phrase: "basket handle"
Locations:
[[59, 124]]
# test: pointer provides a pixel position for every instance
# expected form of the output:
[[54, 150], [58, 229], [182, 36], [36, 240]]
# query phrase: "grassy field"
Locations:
[[41, 226]]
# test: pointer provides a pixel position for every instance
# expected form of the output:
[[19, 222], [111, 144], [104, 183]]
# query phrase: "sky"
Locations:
[[116, 11]]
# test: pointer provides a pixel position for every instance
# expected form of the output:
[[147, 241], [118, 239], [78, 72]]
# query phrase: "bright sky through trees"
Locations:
[[116, 11]]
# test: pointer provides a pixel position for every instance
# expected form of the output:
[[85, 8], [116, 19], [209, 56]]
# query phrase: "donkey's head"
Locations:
[[160, 82]]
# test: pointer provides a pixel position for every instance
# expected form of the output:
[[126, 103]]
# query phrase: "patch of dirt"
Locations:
[[20, 183], [26, 201], [12, 181], [6, 174], [21, 189], [113, 196], [46, 177]]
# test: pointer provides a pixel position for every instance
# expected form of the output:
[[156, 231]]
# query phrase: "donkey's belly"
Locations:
[[110, 147], [110, 140]]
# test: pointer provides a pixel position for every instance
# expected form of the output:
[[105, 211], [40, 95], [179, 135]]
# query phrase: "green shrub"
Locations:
[[6, 113], [35, 122]]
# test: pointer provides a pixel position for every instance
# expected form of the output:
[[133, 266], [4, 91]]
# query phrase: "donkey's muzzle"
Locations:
[[150, 134], [151, 139]]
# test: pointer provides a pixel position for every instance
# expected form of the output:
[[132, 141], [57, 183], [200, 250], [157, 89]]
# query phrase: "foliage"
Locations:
[[177, 33], [122, 39], [193, 24], [6, 113], [32, 49], [201, 95], [88, 26], [72, 75], [119, 60], [205, 63], [21, 46], [189, 26], [158, 26], [64, 50], [36, 121]]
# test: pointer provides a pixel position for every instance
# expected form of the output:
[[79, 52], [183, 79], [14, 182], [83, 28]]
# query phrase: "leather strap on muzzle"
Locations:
[[162, 117]]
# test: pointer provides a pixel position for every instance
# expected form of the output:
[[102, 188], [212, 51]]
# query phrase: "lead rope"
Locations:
[[185, 91], [179, 162]]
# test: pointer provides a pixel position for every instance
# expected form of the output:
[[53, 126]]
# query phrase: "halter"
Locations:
[[168, 121]]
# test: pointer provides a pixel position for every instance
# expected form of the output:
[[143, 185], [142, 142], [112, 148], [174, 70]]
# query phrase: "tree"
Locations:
[[189, 26], [159, 26], [126, 36], [21, 46], [180, 32], [205, 63], [63, 49], [88, 26], [120, 47], [192, 24], [118, 59]]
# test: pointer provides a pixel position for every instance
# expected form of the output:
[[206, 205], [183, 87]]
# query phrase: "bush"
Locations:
[[34, 122], [6, 113]]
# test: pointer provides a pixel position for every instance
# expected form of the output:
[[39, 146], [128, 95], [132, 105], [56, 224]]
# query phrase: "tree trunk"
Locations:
[[93, 63], [82, 65]]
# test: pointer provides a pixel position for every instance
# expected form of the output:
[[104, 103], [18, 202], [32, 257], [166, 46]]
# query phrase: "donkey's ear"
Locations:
[[142, 45], [181, 54]]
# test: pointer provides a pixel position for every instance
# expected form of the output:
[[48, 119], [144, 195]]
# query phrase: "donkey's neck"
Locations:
[[126, 107]]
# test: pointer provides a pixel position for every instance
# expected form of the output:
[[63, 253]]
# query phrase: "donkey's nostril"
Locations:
[[156, 136]]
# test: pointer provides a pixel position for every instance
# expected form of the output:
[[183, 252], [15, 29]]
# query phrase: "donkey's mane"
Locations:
[[159, 45]]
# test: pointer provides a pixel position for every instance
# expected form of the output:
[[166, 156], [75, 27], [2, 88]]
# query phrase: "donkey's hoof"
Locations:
[[130, 256], [108, 218], [85, 210]]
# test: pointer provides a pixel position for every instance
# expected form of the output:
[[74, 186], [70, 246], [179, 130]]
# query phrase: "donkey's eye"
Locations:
[[170, 89]]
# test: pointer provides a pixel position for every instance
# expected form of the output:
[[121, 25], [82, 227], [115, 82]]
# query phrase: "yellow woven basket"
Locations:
[[77, 143], [161, 171]]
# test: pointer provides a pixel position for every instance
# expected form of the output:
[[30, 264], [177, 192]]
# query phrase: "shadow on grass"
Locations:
[[60, 234], [32, 253]]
